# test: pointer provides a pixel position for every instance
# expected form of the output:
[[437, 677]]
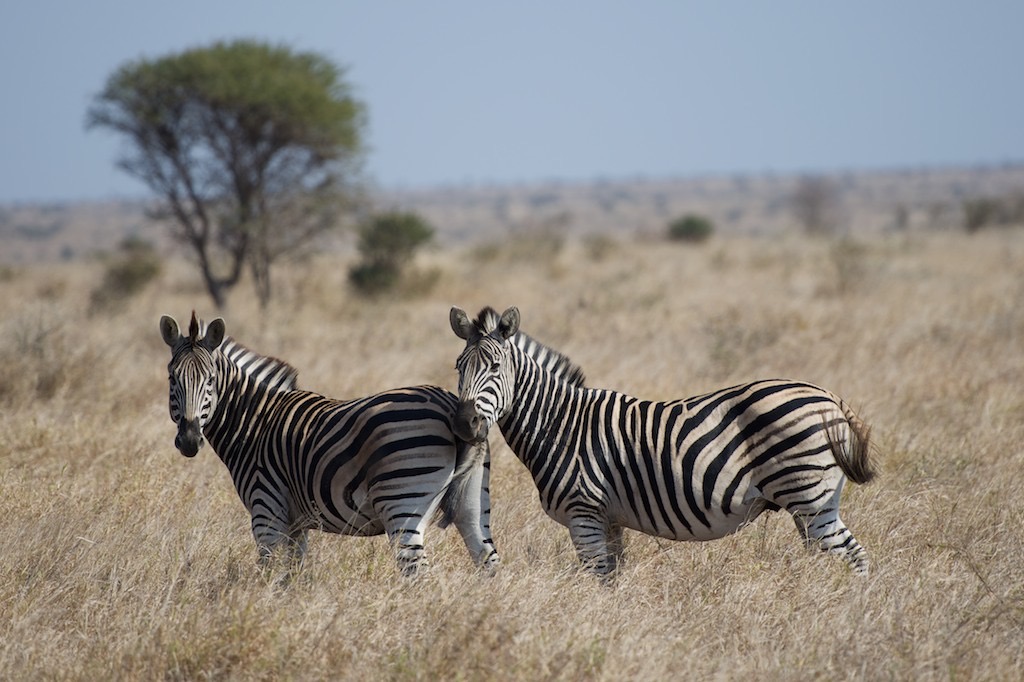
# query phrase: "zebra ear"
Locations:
[[461, 325], [214, 335], [509, 323], [169, 330]]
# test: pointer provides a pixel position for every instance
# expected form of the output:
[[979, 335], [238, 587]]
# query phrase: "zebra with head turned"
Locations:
[[694, 469], [380, 464]]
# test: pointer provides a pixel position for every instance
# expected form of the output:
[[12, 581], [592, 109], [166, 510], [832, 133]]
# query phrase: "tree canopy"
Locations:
[[254, 149]]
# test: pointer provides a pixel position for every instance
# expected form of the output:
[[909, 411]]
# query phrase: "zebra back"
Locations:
[[269, 371]]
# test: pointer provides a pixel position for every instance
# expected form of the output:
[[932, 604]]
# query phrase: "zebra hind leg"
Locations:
[[472, 515], [406, 518], [410, 552], [476, 533], [824, 529]]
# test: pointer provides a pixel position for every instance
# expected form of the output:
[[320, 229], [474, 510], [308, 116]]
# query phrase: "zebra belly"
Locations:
[[367, 528], [380, 504], [349, 512], [671, 527]]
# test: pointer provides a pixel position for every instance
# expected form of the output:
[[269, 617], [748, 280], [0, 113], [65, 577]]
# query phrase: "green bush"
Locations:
[[690, 228], [980, 212], [135, 266], [374, 278], [387, 242]]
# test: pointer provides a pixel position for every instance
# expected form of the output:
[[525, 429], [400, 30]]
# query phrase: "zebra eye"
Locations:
[[495, 367]]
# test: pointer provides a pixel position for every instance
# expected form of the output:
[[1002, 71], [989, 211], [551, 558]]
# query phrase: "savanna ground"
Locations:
[[124, 560]]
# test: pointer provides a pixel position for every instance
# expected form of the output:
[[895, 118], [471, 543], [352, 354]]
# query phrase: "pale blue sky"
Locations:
[[478, 92]]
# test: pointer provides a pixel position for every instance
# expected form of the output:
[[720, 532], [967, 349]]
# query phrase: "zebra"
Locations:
[[699, 468], [385, 463]]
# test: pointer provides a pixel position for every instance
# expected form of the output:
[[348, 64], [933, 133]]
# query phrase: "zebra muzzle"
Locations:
[[189, 438], [469, 425]]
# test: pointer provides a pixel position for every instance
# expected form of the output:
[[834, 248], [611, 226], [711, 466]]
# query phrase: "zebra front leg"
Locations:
[[298, 542], [590, 537], [278, 545], [616, 545]]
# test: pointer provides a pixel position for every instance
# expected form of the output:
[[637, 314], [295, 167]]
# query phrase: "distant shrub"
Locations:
[[979, 212], [129, 272], [374, 278], [816, 205], [387, 242], [983, 211], [690, 228]]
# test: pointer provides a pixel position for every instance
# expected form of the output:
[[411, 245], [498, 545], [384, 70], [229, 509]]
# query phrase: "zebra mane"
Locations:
[[196, 329], [548, 358], [269, 371]]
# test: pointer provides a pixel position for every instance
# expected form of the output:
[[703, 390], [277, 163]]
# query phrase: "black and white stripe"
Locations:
[[299, 461], [693, 469]]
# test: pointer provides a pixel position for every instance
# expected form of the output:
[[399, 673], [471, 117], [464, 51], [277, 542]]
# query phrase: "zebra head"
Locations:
[[192, 375], [486, 373]]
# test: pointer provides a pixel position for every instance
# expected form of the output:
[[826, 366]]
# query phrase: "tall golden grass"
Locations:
[[121, 559]]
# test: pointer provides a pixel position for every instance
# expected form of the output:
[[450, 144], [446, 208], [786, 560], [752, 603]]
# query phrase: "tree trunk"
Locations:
[[260, 268], [218, 287]]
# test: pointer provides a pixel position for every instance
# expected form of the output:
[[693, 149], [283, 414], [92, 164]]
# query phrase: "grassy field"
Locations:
[[124, 560]]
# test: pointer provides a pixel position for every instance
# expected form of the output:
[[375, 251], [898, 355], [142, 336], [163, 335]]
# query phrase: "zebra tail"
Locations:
[[855, 461], [468, 458]]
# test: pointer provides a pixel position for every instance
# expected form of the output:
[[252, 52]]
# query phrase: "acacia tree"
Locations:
[[252, 149]]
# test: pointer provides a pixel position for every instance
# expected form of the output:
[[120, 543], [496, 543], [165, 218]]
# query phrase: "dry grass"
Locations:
[[124, 560]]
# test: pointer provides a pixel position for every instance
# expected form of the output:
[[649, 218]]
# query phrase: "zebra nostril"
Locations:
[[189, 437]]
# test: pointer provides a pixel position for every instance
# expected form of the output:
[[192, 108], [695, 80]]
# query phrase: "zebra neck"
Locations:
[[241, 403], [543, 412]]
